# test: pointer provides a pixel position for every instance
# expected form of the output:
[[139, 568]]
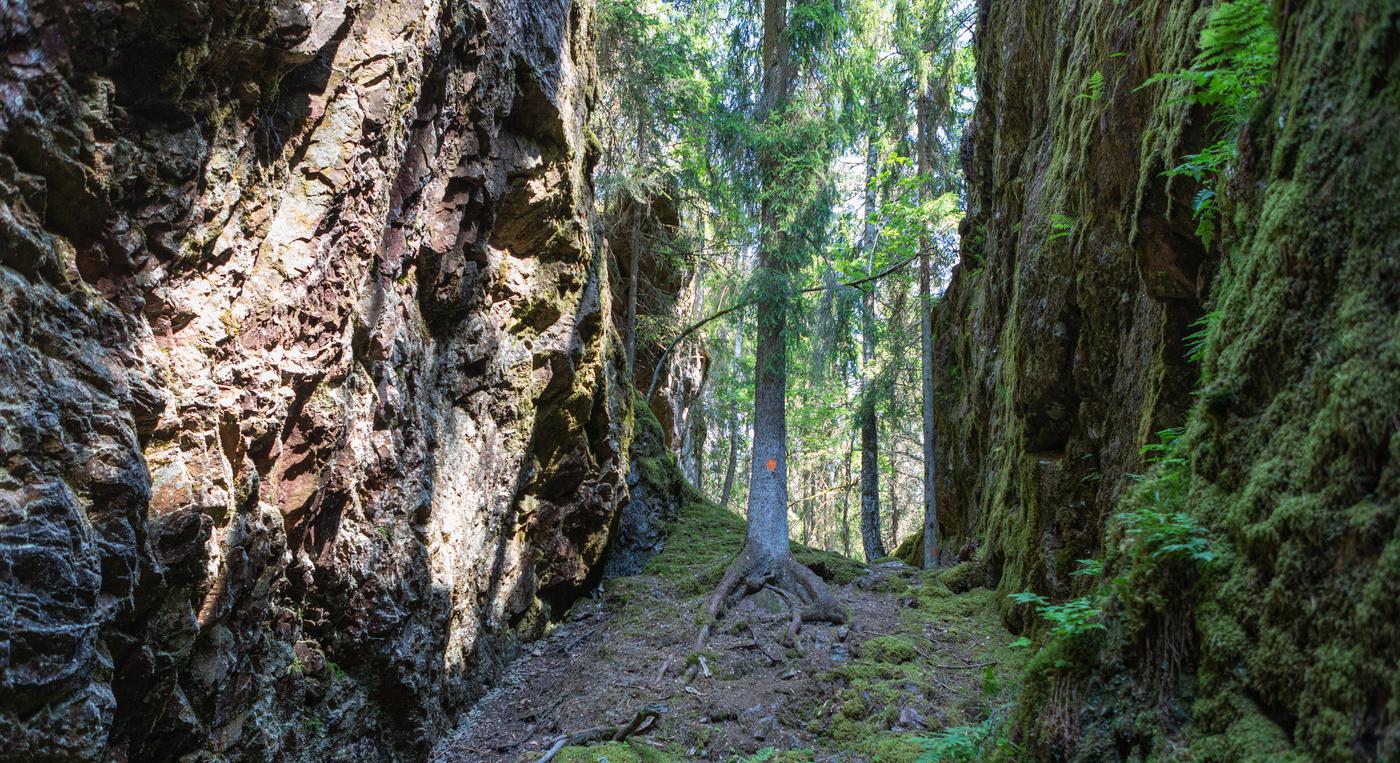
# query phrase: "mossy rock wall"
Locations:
[[1060, 350], [1295, 440], [1064, 353]]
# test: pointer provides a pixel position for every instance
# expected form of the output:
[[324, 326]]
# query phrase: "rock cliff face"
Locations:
[[1062, 353], [666, 303], [311, 399]]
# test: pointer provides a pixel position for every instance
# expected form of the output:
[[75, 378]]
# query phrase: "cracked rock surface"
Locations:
[[311, 403]]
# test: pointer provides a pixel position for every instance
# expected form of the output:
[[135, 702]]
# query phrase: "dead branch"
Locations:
[[645, 720], [665, 665], [970, 666]]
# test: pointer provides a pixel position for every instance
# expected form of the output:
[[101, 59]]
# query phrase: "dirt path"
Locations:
[[916, 658]]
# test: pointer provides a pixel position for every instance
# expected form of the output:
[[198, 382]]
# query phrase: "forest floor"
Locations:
[[919, 673]]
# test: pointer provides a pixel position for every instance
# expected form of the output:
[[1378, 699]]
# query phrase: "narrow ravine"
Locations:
[[739, 381]]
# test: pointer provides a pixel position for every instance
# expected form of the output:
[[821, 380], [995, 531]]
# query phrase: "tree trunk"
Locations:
[[894, 496], [767, 556], [635, 275], [730, 467], [869, 432], [925, 150], [846, 494], [694, 430], [810, 521], [767, 538]]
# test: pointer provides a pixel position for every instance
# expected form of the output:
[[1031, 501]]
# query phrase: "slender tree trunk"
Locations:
[[695, 429], [809, 517], [925, 150], [636, 261], [869, 432], [846, 493], [767, 537], [894, 495], [730, 467]]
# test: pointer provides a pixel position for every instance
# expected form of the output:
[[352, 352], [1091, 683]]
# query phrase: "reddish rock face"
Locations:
[[311, 400]]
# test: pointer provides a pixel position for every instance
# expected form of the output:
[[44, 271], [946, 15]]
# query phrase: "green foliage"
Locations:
[[1061, 226], [1068, 620], [1158, 526], [813, 28], [1093, 87], [964, 744], [1167, 450], [1159, 534], [1235, 64], [1089, 568], [1196, 340]]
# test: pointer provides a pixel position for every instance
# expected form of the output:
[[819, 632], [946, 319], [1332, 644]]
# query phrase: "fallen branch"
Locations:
[[573, 643], [969, 666], [665, 665], [644, 721]]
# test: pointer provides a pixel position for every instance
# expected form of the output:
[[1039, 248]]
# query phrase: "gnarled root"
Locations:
[[804, 592]]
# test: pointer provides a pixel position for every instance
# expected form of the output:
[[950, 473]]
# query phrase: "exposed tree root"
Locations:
[[804, 592], [795, 625], [644, 721]]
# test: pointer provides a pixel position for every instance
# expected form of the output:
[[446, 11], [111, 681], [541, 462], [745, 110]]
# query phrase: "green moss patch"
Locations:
[[700, 544], [614, 752], [925, 670]]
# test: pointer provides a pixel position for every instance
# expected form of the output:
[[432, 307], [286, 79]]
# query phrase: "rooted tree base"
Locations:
[[803, 590]]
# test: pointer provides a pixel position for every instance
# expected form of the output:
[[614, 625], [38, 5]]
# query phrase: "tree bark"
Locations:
[[869, 431], [894, 496], [638, 213], [925, 151], [694, 428], [767, 536], [730, 467], [846, 494]]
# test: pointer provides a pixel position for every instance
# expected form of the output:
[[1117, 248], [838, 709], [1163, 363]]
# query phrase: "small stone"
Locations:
[[910, 717]]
